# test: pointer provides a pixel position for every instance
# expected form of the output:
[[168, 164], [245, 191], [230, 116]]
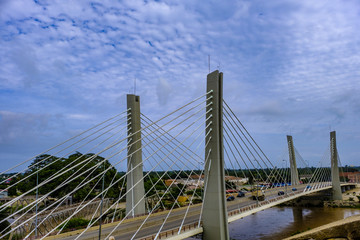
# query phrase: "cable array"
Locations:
[[244, 157], [249, 169], [85, 178], [173, 149], [68, 176]]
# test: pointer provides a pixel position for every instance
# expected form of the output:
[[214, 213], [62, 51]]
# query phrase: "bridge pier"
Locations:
[[135, 203], [293, 168], [215, 222], [335, 178]]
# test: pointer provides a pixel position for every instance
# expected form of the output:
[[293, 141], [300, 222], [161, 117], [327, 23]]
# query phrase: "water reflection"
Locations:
[[298, 216], [281, 222]]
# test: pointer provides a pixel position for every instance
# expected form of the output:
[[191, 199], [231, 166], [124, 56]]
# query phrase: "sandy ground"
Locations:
[[352, 193], [350, 222], [322, 231]]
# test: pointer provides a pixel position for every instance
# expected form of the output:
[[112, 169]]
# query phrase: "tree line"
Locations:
[[45, 166]]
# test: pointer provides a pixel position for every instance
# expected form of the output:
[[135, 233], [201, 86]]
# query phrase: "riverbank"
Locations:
[[348, 228], [351, 199], [285, 221]]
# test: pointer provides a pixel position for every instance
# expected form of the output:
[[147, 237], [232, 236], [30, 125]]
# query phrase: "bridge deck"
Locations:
[[237, 209]]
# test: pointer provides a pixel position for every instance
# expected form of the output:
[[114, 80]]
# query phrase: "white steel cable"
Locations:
[[166, 148], [187, 178], [157, 174], [238, 144], [61, 144], [247, 133], [95, 156], [115, 174], [191, 154], [205, 184], [65, 170], [157, 140], [248, 149], [174, 137], [236, 159], [175, 161], [64, 183], [37, 163], [153, 168], [178, 110]]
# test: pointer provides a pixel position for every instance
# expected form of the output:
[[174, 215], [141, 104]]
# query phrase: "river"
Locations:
[[281, 222]]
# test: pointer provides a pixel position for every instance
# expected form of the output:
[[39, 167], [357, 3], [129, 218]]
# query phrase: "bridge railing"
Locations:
[[192, 226], [173, 232], [255, 205]]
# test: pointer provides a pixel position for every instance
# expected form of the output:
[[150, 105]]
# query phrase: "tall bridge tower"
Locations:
[[215, 222], [135, 202], [293, 168], [335, 178]]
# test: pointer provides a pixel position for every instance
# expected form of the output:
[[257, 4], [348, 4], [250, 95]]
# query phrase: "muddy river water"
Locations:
[[281, 222]]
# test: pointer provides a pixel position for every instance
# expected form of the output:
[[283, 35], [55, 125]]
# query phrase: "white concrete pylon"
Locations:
[[134, 182], [335, 178], [215, 222], [293, 167]]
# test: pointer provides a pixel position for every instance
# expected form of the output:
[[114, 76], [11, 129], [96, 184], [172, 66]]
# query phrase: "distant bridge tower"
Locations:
[[214, 214], [335, 178], [292, 158], [135, 202]]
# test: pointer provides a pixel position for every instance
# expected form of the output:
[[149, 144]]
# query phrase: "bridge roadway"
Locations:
[[129, 226]]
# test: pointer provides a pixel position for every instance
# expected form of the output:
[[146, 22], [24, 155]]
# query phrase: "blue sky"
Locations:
[[290, 67]]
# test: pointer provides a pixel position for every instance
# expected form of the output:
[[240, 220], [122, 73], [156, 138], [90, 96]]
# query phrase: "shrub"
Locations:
[[4, 224], [75, 223], [195, 201], [189, 192]]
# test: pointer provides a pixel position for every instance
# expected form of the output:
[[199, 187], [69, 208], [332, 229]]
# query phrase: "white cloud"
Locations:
[[19, 125], [76, 116], [16, 9], [284, 63], [321, 47], [163, 90]]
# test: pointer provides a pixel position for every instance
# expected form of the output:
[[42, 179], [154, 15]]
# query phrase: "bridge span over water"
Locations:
[[169, 178], [237, 209]]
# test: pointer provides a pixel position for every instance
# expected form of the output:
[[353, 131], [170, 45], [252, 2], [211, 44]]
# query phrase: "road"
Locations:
[[128, 227]]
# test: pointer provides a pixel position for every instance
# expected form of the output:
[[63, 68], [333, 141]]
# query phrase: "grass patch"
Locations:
[[299, 231], [75, 223]]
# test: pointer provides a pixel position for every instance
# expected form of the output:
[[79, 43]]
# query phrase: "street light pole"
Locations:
[[102, 200], [285, 176], [37, 196], [257, 193]]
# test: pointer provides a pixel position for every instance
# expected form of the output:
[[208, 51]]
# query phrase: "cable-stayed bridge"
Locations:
[[192, 171]]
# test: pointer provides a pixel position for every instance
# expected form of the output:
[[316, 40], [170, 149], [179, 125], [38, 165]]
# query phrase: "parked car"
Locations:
[[241, 194], [294, 189], [230, 198], [281, 193]]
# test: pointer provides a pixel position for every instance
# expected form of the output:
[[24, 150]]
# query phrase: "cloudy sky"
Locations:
[[290, 67]]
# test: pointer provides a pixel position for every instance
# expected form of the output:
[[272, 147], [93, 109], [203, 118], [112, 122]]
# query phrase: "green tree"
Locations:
[[230, 185], [3, 214], [74, 171]]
